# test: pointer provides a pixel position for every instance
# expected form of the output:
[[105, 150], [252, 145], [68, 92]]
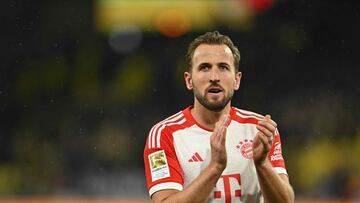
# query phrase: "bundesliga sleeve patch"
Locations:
[[158, 165]]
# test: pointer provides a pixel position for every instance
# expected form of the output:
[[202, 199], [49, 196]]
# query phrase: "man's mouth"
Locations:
[[215, 89]]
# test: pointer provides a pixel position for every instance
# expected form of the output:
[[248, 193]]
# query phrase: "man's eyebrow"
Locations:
[[204, 63], [223, 63]]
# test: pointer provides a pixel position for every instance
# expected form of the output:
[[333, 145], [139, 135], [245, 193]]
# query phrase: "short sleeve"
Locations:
[[162, 167]]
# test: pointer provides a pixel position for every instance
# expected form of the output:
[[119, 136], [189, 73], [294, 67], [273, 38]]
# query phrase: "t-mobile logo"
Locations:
[[227, 187]]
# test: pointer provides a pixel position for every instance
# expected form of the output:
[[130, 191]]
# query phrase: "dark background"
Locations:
[[75, 113]]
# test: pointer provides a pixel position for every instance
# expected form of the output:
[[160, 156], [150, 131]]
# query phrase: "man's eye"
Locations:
[[224, 67], [205, 67]]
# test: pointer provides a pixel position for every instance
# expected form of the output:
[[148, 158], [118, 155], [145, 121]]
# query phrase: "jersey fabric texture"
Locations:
[[178, 149]]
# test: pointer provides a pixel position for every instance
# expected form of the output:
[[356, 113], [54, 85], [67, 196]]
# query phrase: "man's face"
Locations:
[[213, 77]]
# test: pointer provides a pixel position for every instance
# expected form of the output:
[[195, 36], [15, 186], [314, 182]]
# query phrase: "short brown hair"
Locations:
[[213, 38]]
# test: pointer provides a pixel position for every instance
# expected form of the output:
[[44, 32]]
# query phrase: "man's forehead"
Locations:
[[206, 50], [210, 53]]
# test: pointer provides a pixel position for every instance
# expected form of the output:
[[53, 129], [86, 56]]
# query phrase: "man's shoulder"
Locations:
[[175, 120], [165, 128], [247, 112], [246, 116]]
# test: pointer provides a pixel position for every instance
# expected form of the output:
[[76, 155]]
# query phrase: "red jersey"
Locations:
[[178, 149]]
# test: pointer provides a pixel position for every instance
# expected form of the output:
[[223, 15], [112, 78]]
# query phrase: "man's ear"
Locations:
[[237, 80], [188, 80]]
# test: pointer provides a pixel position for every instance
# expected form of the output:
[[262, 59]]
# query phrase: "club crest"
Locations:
[[245, 148]]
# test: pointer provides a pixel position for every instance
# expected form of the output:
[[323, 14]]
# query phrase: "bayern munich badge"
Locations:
[[245, 148]]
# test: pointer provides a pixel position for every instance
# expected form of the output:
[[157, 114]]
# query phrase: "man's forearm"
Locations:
[[275, 188], [198, 191]]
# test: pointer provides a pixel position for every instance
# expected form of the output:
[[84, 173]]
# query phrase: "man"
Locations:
[[211, 151]]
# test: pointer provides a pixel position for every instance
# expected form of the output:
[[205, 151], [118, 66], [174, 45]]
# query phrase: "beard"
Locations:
[[215, 106]]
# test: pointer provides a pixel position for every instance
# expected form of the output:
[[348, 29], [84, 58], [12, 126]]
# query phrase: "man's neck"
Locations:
[[206, 117]]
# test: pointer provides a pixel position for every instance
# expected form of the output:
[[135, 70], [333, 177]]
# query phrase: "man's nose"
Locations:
[[214, 77]]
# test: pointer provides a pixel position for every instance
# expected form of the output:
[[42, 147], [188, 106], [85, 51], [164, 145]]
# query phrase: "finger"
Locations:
[[268, 118], [265, 141], [225, 119], [267, 125], [218, 127], [269, 134], [220, 122], [223, 136], [221, 133], [216, 136], [265, 131]]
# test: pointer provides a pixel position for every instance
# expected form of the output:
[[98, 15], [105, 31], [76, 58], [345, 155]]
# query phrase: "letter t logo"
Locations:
[[227, 188]]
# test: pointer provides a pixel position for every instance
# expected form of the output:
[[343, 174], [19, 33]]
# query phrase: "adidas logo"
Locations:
[[196, 158]]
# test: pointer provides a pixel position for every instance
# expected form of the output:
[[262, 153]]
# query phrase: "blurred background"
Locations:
[[82, 82]]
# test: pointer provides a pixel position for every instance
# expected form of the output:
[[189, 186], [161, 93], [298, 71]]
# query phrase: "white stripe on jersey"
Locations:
[[166, 185], [253, 115], [247, 116], [242, 112], [151, 140], [243, 116], [155, 126], [280, 170], [162, 127]]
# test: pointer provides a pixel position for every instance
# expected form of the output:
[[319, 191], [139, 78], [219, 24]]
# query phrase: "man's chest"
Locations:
[[193, 151]]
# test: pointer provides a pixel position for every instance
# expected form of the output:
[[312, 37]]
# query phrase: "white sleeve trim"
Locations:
[[280, 170], [163, 186]]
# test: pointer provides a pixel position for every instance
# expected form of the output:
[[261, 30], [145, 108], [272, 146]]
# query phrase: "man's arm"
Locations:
[[199, 190], [275, 187]]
